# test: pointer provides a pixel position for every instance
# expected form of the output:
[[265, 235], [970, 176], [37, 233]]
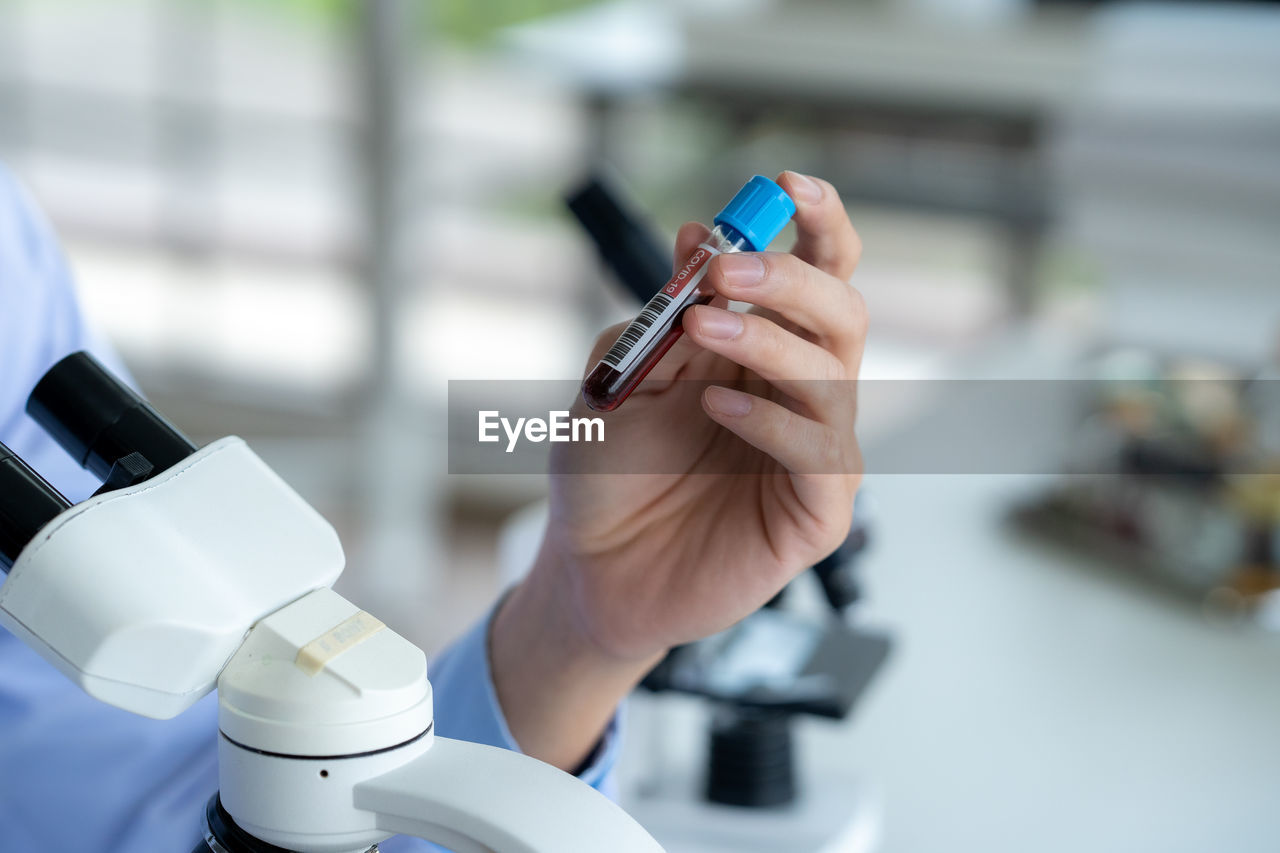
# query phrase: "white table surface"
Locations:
[[1036, 703]]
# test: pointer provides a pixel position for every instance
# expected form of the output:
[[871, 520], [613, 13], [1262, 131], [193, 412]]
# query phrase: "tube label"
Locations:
[[642, 332]]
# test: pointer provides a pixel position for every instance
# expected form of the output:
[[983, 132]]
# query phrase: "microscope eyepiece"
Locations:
[[103, 424], [628, 244], [27, 503]]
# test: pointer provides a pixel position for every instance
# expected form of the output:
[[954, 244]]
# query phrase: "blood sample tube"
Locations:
[[749, 222]]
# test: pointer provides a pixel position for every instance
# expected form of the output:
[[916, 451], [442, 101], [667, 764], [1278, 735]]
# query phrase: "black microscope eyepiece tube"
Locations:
[[27, 503], [100, 421], [627, 243]]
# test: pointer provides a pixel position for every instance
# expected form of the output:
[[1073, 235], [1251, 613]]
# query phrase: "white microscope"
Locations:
[[200, 568]]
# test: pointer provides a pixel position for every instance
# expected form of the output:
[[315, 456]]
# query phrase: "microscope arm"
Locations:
[[474, 798]]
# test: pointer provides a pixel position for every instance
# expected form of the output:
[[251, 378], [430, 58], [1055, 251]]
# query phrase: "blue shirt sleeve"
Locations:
[[76, 774], [40, 322], [466, 706]]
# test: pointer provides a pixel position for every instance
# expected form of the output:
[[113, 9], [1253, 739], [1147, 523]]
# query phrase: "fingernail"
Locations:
[[805, 188], [741, 270], [723, 401], [718, 323]]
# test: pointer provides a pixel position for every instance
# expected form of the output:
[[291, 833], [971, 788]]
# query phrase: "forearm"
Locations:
[[556, 688]]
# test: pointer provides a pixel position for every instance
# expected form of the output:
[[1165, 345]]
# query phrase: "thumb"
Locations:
[[687, 239]]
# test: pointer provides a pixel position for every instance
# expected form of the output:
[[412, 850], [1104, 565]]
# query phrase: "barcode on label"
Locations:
[[634, 332]]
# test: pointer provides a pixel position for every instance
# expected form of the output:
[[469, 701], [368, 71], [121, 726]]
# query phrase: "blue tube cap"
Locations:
[[759, 212]]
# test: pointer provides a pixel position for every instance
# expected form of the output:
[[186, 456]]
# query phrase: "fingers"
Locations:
[[823, 461], [802, 370], [687, 239], [812, 299], [824, 235], [801, 445]]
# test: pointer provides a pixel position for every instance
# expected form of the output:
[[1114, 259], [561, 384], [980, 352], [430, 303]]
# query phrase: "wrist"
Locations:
[[542, 619], [557, 687]]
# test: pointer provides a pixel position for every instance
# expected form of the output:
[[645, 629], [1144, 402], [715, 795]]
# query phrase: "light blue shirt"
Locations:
[[78, 775]]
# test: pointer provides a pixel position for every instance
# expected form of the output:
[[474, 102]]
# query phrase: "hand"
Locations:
[[759, 485]]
